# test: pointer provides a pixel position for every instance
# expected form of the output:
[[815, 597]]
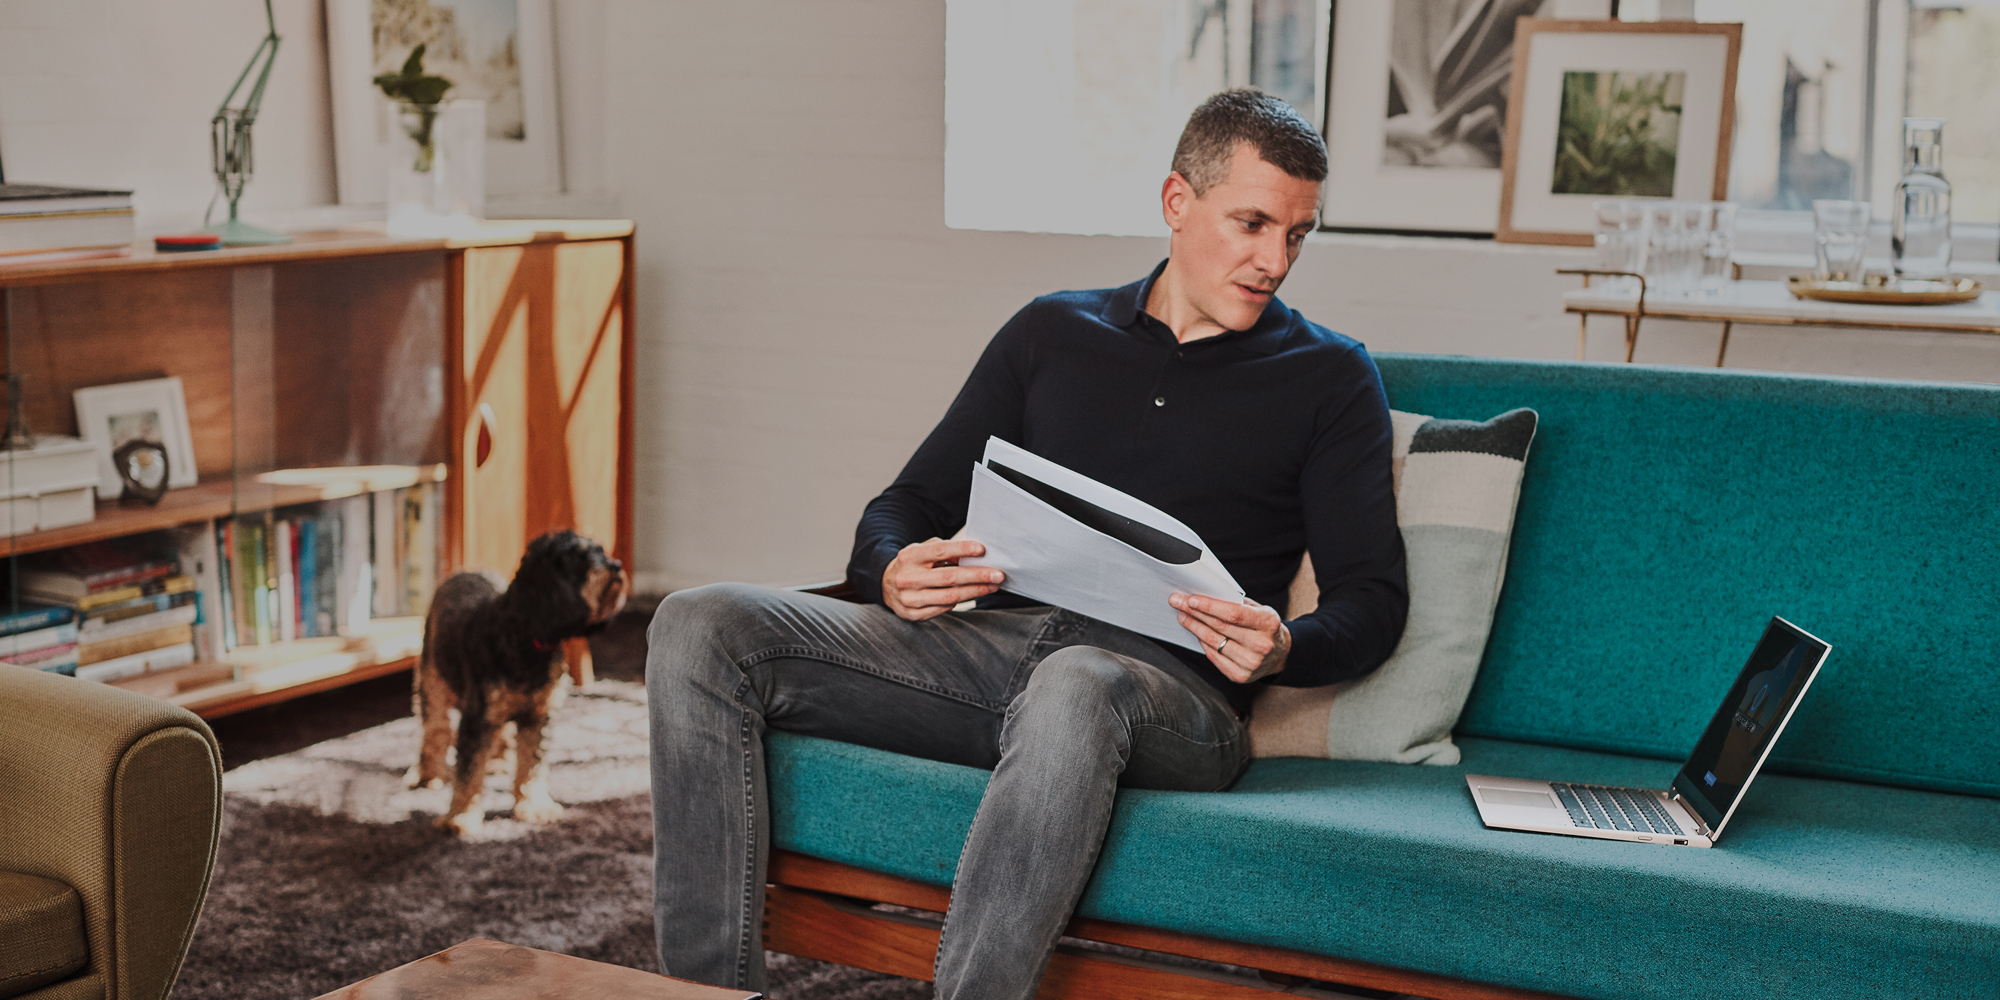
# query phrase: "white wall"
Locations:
[[804, 316], [119, 93]]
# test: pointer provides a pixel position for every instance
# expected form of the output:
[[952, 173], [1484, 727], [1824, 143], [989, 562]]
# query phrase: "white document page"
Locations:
[[1050, 556]]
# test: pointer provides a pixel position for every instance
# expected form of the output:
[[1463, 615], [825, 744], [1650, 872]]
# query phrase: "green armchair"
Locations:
[[110, 808]]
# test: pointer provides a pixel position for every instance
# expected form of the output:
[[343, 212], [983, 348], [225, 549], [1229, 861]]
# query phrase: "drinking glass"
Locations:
[[1840, 239], [1674, 237], [1621, 238], [1721, 242]]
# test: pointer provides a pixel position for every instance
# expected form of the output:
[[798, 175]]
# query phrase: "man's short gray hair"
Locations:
[[1282, 137]]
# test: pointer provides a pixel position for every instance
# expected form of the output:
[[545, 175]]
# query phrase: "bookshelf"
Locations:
[[216, 497], [492, 373]]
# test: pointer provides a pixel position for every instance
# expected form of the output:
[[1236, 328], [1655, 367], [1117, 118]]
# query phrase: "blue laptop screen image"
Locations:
[[1739, 735]]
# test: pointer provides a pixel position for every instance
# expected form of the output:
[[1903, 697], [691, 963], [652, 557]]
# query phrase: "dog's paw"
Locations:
[[463, 825], [538, 810], [414, 778]]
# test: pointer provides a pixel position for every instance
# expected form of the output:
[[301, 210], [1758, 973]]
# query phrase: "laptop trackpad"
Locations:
[[1516, 797]]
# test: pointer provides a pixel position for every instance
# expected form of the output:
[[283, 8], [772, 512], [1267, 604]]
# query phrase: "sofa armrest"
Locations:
[[120, 797]]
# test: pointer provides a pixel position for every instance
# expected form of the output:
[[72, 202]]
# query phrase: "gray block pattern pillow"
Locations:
[[1457, 483]]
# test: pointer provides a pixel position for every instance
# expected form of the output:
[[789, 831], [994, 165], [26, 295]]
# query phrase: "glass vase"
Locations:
[[1920, 229], [437, 168]]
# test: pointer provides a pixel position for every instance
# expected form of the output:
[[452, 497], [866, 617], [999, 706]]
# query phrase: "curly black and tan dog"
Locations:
[[496, 655]]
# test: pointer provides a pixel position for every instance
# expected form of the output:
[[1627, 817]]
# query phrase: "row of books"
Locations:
[[327, 568], [120, 608]]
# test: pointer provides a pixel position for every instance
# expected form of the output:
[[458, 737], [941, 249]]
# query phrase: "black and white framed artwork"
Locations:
[[1416, 110]]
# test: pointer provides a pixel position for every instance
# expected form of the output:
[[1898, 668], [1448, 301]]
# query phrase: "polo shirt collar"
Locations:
[[1125, 305]]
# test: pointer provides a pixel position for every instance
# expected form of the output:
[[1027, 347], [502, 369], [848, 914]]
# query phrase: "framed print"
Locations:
[[498, 51], [1416, 111], [1605, 109], [155, 410]]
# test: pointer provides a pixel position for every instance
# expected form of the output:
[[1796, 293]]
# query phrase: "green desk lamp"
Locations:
[[229, 131]]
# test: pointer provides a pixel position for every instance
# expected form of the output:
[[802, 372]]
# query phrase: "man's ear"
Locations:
[[1174, 197]]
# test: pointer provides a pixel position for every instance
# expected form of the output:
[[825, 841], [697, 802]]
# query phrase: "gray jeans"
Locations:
[[1063, 709]]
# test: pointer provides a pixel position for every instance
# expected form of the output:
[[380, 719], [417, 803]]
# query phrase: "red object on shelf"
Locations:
[[189, 241]]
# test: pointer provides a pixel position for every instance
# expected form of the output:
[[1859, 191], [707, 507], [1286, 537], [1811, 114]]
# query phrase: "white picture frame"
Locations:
[[362, 117], [1700, 56], [154, 409], [1469, 54]]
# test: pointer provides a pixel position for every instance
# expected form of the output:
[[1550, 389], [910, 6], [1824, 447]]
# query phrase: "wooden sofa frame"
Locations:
[[825, 910]]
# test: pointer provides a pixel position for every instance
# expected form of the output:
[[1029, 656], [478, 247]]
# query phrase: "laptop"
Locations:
[[1709, 786]]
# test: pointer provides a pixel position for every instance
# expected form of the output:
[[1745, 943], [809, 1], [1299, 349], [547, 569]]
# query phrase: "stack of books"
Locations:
[[38, 221], [40, 637], [133, 611]]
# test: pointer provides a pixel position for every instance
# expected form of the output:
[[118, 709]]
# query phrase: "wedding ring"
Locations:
[[1219, 645]]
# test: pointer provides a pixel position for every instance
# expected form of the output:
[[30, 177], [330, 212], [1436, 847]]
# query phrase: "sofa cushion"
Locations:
[[1667, 514], [1822, 889], [41, 933], [1456, 485]]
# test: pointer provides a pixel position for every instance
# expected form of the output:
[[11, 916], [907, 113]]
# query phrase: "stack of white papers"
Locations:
[[1068, 540]]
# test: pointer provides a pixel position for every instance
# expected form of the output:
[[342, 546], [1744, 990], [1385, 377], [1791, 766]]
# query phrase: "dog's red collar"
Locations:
[[546, 647]]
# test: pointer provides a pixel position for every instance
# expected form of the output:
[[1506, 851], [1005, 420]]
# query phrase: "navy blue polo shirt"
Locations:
[[1268, 442]]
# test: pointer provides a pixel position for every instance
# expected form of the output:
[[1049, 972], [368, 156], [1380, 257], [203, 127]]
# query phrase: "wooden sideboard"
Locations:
[[496, 368]]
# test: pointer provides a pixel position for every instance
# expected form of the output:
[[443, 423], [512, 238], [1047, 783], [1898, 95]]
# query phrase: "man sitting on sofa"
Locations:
[[1193, 389]]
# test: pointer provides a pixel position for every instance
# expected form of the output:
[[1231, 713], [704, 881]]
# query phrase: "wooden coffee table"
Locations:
[[491, 970]]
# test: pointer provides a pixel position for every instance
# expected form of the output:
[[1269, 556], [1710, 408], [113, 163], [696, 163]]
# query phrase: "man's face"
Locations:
[[1234, 245]]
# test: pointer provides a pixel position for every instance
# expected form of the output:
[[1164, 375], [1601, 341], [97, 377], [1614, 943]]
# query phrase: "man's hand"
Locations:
[[925, 579], [1252, 639]]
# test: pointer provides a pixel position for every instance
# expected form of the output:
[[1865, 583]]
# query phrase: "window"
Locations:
[[1951, 73], [1823, 87]]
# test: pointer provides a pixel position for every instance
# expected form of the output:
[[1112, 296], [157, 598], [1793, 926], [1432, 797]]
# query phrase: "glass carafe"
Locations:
[[1920, 229]]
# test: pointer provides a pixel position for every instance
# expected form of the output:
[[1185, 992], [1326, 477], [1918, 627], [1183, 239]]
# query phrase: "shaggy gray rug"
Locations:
[[330, 870]]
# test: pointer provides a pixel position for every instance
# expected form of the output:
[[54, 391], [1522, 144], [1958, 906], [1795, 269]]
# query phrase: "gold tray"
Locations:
[[1907, 293]]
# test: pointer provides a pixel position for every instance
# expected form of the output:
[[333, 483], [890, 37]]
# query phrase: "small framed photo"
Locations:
[[1609, 109], [110, 416], [498, 51]]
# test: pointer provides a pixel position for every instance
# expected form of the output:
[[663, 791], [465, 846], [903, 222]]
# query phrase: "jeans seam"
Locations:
[[1184, 738], [811, 653], [1032, 655], [743, 935], [937, 960]]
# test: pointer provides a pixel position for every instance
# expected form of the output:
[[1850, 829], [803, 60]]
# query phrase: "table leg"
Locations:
[[1722, 350], [1582, 333], [1631, 337]]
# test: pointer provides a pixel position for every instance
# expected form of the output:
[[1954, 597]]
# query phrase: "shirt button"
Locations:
[[1159, 400]]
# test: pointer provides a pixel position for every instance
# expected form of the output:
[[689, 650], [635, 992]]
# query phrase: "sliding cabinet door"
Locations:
[[542, 428]]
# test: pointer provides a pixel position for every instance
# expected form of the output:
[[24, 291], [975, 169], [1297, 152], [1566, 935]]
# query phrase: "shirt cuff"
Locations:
[[864, 574], [1311, 661]]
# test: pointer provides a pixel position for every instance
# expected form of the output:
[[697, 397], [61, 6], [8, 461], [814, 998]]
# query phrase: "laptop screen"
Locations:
[[1744, 728]]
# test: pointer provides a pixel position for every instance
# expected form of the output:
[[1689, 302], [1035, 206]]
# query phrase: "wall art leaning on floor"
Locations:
[[1613, 109]]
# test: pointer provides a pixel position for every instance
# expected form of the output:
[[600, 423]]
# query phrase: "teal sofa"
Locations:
[[1665, 516]]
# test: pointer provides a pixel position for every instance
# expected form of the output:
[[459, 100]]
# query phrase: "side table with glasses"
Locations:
[[1674, 260], [1765, 303]]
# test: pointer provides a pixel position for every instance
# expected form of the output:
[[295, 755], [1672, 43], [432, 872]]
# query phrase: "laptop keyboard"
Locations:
[[1600, 807]]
